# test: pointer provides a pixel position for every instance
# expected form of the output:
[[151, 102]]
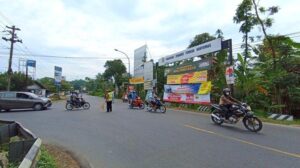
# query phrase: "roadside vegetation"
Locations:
[[46, 160]]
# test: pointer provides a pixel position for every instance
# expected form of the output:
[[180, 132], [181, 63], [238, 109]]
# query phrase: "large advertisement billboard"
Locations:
[[188, 78], [148, 71], [205, 48], [191, 94], [140, 55], [57, 75], [187, 98], [204, 64], [136, 80]]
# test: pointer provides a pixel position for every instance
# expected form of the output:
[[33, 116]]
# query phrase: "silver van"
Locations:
[[23, 100]]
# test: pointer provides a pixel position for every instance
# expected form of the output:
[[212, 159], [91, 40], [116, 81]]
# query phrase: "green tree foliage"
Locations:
[[265, 23], [49, 84], [78, 84], [18, 81], [201, 38], [115, 69], [244, 16]]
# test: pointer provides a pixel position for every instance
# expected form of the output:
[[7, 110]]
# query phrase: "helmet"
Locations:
[[226, 91]]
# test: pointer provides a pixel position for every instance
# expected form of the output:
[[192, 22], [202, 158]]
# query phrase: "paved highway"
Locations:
[[129, 138]]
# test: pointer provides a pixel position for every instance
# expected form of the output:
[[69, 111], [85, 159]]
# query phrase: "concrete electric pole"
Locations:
[[14, 38]]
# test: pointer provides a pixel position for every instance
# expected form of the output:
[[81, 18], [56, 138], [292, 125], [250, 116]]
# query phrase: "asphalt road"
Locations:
[[137, 139]]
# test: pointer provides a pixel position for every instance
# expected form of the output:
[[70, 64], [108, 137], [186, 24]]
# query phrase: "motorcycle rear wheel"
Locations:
[[253, 124], [69, 106], [215, 120]]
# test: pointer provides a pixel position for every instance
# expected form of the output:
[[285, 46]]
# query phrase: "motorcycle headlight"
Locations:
[[249, 108]]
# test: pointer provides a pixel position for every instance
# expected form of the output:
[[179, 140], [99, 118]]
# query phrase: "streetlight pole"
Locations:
[[126, 57]]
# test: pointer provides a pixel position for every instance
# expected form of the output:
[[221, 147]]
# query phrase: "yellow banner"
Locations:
[[188, 78], [205, 88], [136, 80]]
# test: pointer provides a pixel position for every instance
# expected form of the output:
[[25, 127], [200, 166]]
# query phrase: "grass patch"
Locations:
[[295, 122], [13, 165], [46, 160]]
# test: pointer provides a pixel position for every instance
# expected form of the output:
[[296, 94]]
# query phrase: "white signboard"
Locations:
[[148, 71], [139, 56], [229, 75], [205, 48]]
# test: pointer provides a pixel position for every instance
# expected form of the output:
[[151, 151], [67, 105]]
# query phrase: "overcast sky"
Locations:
[[93, 28]]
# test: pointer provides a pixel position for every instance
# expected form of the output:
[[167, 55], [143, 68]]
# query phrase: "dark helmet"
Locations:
[[226, 91]]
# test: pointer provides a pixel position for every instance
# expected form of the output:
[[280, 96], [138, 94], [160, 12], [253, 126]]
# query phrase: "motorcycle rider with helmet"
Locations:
[[226, 101]]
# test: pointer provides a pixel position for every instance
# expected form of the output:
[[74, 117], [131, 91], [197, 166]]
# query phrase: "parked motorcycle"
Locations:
[[153, 105], [137, 103], [70, 105], [239, 111]]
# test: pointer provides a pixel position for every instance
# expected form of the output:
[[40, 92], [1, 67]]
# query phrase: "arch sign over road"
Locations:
[[202, 49]]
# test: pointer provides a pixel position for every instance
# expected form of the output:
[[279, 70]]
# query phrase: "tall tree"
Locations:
[[266, 23], [114, 69], [247, 19]]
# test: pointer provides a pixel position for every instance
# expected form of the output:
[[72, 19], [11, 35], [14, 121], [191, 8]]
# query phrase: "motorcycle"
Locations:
[[138, 102], [70, 105], [251, 122], [154, 105]]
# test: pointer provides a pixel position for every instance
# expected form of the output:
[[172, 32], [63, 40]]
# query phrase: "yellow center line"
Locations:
[[246, 142]]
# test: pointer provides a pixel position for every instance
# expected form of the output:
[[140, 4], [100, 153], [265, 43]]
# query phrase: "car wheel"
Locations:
[[38, 107]]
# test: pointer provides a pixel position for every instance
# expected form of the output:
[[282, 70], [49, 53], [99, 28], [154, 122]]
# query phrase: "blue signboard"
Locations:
[[31, 63]]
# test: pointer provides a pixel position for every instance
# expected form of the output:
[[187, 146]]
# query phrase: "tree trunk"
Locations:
[[265, 34]]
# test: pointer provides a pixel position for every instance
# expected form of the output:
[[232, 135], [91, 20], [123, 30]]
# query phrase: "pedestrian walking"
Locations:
[[108, 98]]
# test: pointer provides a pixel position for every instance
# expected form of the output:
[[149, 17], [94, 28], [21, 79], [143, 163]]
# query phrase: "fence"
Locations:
[[25, 149]]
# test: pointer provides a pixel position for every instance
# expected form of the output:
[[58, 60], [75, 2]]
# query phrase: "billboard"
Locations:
[[185, 94], [205, 48], [140, 56], [229, 75], [148, 71], [200, 88], [204, 64], [136, 80], [31, 63], [187, 98], [57, 75], [188, 78]]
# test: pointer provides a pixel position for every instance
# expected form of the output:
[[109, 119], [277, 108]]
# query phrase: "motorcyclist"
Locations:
[[132, 96], [75, 99], [226, 101]]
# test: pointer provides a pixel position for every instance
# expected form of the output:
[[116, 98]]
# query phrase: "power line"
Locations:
[[61, 57]]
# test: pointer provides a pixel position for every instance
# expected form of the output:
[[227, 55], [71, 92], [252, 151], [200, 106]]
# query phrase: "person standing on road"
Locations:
[[108, 98]]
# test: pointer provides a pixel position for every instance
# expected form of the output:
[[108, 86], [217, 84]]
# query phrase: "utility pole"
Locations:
[[14, 38]]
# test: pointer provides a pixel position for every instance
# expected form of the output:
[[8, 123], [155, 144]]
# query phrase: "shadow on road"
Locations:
[[24, 111], [236, 129]]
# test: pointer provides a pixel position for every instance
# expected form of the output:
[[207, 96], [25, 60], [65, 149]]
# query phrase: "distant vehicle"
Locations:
[[125, 98], [23, 100], [152, 105], [72, 103], [138, 102]]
